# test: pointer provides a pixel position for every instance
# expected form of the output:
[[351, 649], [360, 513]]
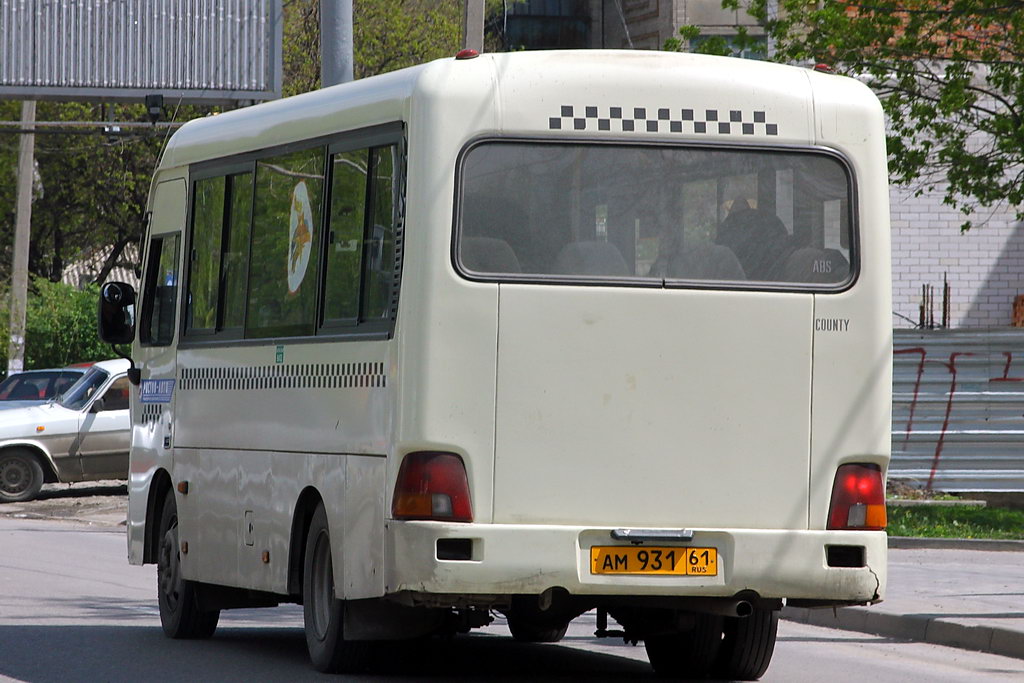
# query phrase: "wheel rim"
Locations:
[[15, 476], [322, 585], [169, 566]]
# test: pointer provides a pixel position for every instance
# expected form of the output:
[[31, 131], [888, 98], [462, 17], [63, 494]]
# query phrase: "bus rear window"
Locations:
[[656, 215]]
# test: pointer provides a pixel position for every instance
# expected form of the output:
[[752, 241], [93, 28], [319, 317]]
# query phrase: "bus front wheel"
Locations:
[[323, 614], [180, 614]]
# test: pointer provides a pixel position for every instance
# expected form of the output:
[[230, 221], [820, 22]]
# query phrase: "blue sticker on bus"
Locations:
[[157, 390]]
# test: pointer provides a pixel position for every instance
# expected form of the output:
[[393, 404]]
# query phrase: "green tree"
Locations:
[[60, 326], [950, 76], [90, 189], [387, 35]]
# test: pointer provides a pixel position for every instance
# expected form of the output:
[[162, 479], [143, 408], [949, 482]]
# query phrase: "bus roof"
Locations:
[[530, 90]]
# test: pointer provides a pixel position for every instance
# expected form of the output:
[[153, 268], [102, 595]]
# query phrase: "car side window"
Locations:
[[116, 395]]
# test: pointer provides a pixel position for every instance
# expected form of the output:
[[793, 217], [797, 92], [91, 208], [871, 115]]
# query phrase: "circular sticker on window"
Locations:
[[300, 236]]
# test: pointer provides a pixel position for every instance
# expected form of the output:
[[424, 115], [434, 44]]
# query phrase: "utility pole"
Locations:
[[22, 232], [335, 42], [473, 25]]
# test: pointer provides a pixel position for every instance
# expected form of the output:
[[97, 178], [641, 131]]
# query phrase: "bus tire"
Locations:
[[526, 631], [747, 645], [180, 615], [686, 654], [21, 476], [323, 614]]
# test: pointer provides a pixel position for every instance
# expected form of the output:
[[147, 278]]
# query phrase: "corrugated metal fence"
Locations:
[[958, 409], [202, 46]]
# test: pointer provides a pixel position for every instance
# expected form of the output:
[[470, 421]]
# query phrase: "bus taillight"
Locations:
[[858, 499], [432, 486]]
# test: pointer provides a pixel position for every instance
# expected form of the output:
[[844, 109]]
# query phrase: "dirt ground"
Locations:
[[98, 503]]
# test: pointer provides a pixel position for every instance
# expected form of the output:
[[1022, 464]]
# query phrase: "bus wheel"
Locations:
[[323, 614], [180, 615], [686, 654], [530, 624], [21, 476], [747, 645], [526, 631]]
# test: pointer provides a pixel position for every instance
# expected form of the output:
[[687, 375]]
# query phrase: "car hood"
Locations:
[[11, 405], [25, 421]]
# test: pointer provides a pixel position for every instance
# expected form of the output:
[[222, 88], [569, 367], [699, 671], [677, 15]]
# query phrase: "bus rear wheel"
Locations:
[[323, 614], [526, 631], [180, 614], [747, 645], [686, 654]]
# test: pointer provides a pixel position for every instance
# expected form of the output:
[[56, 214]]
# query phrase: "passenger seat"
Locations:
[[591, 258]]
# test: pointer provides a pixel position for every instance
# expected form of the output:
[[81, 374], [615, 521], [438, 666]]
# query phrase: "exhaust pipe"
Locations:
[[726, 607]]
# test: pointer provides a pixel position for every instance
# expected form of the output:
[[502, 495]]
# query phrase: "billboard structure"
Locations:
[[189, 51]]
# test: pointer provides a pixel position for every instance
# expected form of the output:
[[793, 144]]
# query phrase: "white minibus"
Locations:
[[526, 334]]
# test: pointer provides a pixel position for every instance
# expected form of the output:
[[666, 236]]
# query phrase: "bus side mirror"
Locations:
[[117, 313]]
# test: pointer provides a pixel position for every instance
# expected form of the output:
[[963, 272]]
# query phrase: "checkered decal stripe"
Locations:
[[292, 376], [698, 121], [151, 413]]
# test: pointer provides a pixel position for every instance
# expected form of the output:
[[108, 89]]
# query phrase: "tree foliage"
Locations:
[[60, 326], [89, 192], [950, 75], [386, 35], [92, 186]]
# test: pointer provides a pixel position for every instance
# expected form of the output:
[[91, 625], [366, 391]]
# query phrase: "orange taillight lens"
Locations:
[[432, 486], [858, 499]]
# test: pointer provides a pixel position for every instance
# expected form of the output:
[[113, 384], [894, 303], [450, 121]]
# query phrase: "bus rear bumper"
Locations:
[[814, 567]]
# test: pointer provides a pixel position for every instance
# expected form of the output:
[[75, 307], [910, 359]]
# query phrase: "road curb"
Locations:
[[915, 627], [908, 542]]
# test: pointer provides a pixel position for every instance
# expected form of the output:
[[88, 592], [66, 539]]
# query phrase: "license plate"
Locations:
[[643, 560]]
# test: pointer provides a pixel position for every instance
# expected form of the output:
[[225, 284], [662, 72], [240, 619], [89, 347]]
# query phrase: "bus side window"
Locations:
[[218, 262], [161, 292], [345, 238], [286, 228], [379, 265], [205, 257], [361, 255]]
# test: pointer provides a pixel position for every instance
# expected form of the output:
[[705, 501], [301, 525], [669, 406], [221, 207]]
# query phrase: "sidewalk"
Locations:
[[966, 594]]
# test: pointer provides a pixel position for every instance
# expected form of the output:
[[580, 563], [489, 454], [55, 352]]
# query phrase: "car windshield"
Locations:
[[81, 391]]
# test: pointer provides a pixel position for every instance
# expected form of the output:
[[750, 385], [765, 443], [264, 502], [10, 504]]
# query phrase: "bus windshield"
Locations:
[[660, 215]]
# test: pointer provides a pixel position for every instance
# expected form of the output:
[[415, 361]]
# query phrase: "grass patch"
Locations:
[[928, 521]]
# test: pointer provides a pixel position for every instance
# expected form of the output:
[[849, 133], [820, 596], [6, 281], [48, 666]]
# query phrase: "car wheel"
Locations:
[[180, 614], [323, 613], [21, 476]]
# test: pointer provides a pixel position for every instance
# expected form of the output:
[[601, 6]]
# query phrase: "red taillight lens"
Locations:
[[432, 486], [858, 499]]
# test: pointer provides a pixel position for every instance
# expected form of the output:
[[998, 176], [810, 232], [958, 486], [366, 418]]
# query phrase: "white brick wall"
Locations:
[[985, 266]]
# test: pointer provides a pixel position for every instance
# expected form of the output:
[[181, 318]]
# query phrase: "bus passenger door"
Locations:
[[154, 353]]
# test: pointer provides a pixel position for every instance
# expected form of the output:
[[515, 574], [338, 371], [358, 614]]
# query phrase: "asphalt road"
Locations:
[[72, 609]]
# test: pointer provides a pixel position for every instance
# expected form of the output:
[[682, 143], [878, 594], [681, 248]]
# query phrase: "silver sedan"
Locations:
[[83, 435]]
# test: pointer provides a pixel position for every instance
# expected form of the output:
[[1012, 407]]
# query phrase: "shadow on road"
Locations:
[[58, 491], [66, 654]]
